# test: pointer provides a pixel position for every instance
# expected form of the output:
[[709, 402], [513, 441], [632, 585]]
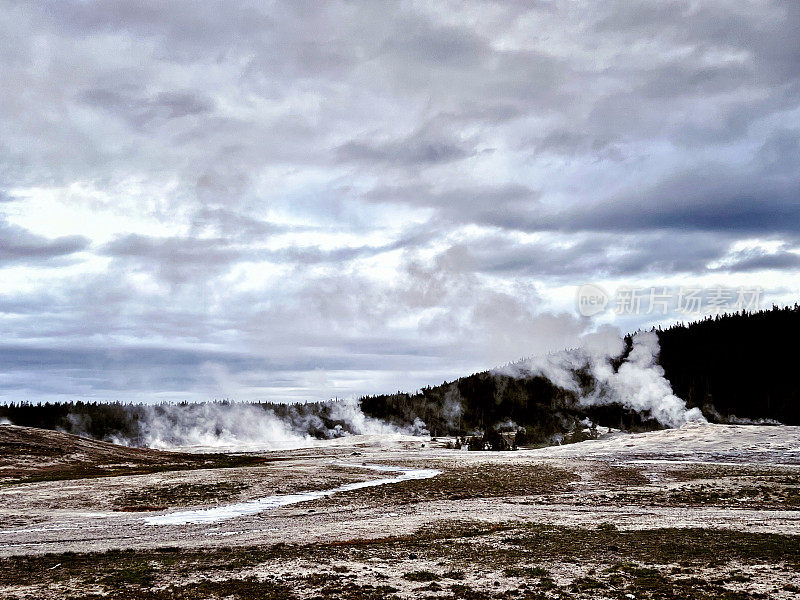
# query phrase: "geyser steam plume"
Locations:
[[233, 426], [638, 384], [215, 426]]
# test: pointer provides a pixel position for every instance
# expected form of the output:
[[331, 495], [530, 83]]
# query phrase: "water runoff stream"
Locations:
[[251, 507]]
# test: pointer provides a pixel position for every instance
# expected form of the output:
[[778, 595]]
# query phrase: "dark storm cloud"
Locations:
[[460, 203], [150, 110], [759, 260], [21, 246], [25, 358], [17, 357], [420, 43], [595, 256], [311, 255], [177, 260], [711, 199], [418, 149], [200, 25], [764, 28], [570, 143], [231, 224], [194, 260]]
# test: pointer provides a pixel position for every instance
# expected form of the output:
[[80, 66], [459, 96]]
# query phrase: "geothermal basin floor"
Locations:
[[703, 511]]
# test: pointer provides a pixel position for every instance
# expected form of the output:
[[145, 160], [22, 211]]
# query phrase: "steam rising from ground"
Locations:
[[734, 420], [234, 426], [218, 426], [350, 414], [638, 384]]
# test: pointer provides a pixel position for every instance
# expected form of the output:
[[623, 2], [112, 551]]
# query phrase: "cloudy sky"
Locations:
[[299, 200]]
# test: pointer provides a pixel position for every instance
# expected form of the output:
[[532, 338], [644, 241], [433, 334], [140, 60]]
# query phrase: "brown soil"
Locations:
[[28, 454]]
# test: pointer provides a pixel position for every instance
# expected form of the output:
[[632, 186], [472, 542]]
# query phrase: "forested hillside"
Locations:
[[742, 364], [732, 367]]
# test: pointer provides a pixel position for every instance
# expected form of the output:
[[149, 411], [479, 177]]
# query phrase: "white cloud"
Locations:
[[389, 192]]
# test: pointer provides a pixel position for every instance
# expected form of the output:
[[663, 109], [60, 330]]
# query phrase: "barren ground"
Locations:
[[700, 512]]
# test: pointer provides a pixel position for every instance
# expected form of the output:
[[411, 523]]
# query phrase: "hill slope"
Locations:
[[732, 367], [742, 364], [31, 454]]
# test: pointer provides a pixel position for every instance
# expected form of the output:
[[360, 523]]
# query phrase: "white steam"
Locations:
[[247, 427], [353, 418], [215, 426], [638, 384], [734, 420], [452, 408]]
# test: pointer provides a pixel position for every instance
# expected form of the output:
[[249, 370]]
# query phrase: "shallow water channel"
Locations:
[[251, 507]]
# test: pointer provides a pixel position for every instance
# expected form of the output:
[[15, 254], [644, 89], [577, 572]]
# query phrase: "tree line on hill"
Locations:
[[735, 367]]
